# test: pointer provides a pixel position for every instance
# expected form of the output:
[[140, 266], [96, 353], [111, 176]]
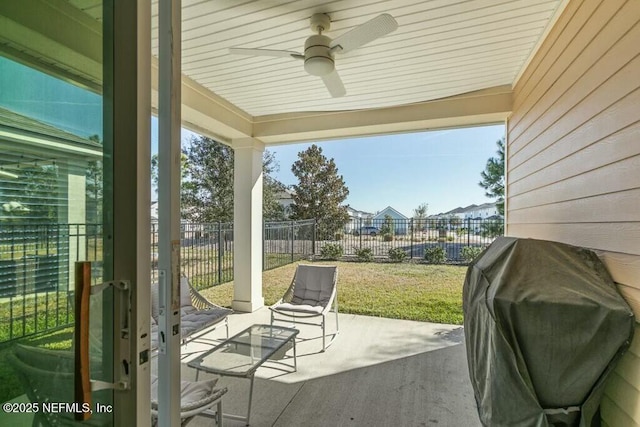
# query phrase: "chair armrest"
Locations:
[[280, 301], [199, 301]]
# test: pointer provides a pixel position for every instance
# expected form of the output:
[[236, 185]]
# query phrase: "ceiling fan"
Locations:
[[319, 49]]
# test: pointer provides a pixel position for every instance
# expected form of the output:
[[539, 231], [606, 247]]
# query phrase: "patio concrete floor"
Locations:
[[378, 372]]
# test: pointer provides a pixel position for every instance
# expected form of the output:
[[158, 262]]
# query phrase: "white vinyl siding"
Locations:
[[573, 157]]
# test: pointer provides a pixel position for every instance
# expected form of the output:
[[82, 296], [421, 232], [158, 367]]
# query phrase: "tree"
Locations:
[[154, 169], [272, 210], [207, 182], [387, 230], [419, 216], [454, 221], [493, 177], [492, 228], [207, 188], [94, 189], [319, 193]]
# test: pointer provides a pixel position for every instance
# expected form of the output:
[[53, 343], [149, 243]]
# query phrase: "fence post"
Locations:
[[360, 232], [411, 225], [313, 238], [264, 243], [292, 241], [469, 231], [220, 253]]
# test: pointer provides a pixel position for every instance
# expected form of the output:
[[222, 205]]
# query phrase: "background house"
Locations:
[[50, 179], [483, 211], [357, 219], [285, 198], [400, 221]]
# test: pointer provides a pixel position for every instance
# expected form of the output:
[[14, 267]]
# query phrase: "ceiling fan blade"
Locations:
[[265, 52], [359, 36], [334, 85]]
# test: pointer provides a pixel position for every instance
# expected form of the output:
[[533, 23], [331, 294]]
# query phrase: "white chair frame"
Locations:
[[305, 315]]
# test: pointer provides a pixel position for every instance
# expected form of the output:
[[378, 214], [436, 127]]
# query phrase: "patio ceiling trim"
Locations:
[[486, 106], [54, 37], [205, 112], [208, 114], [36, 144]]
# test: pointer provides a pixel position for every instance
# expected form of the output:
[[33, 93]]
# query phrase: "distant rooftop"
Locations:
[[23, 124], [463, 210]]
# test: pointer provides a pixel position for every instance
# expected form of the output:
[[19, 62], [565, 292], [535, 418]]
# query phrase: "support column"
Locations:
[[247, 225]]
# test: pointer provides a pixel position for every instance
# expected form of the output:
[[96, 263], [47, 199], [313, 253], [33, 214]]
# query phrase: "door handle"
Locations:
[[82, 374], [83, 384]]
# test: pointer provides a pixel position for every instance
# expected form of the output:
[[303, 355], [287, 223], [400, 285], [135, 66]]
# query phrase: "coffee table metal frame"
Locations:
[[228, 358]]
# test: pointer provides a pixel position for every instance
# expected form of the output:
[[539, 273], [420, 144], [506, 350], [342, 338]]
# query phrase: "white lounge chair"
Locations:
[[47, 376], [311, 294], [197, 314], [196, 398]]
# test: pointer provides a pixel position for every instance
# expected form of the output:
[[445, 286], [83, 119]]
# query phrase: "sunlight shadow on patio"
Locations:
[[377, 372]]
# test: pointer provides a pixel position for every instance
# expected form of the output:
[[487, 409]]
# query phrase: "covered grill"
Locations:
[[544, 326]]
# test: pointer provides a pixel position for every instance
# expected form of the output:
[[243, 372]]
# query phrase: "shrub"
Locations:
[[397, 254], [387, 227], [435, 255], [331, 251], [387, 237], [449, 238], [469, 253], [492, 229], [338, 236], [364, 254]]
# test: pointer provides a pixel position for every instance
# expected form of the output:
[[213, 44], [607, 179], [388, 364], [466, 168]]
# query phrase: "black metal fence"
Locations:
[[417, 237], [206, 255], [207, 249], [287, 242], [35, 260], [36, 291]]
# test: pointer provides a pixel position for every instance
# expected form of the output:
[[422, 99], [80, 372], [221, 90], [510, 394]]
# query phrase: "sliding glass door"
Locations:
[[61, 204]]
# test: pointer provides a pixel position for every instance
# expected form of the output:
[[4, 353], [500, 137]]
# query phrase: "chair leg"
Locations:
[[324, 347], [219, 421], [336, 310]]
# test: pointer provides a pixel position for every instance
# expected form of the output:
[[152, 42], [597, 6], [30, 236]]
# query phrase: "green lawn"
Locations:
[[430, 293]]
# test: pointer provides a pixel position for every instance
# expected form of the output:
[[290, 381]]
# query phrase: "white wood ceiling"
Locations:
[[440, 49]]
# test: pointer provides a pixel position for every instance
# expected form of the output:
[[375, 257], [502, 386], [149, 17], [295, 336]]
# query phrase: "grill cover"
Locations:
[[544, 326]]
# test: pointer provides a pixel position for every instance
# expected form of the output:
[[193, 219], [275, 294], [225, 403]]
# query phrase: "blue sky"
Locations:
[[37, 95], [441, 168]]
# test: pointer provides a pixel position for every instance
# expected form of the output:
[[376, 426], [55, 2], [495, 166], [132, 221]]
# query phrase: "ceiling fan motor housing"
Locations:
[[318, 60]]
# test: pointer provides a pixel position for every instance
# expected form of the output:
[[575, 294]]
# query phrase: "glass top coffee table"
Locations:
[[242, 354]]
